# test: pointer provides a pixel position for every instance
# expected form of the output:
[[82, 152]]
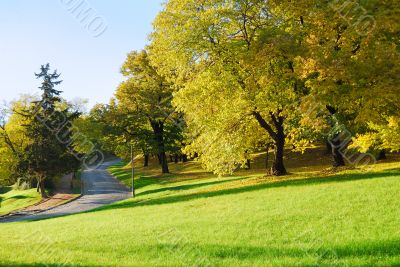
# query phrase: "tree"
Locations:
[[352, 55], [90, 131], [13, 139], [48, 154], [130, 130], [237, 63], [146, 96], [380, 137]]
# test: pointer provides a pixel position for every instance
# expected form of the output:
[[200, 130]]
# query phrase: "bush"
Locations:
[[22, 184]]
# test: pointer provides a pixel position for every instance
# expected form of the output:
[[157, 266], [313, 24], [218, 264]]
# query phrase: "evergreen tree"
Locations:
[[48, 153]]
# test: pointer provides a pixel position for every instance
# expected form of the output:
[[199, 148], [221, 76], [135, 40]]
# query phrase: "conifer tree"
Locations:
[[48, 153]]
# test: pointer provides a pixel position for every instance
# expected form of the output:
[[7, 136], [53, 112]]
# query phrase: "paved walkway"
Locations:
[[100, 188]]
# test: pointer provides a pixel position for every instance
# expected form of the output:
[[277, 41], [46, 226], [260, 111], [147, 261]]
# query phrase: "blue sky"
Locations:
[[36, 32]]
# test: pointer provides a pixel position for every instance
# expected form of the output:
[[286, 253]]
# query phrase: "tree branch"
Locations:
[[8, 141], [264, 124]]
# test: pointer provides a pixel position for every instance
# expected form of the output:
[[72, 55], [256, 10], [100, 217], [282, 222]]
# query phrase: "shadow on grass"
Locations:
[[381, 249], [286, 183], [19, 197], [5, 189], [173, 188], [394, 170], [188, 186], [382, 253], [140, 180], [273, 184]]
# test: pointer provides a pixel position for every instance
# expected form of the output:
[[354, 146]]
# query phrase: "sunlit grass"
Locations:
[[11, 200], [348, 219]]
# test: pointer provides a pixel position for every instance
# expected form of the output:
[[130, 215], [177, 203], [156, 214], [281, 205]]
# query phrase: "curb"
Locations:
[[15, 212]]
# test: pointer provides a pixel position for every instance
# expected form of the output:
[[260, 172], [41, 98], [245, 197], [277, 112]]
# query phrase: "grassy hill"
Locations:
[[11, 200], [192, 218]]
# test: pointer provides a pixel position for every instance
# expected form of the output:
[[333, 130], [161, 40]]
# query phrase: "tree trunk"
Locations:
[[267, 158], [184, 158], [171, 158], [278, 135], [41, 187], [338, 159], [335, 143], [328, 148], [164, 163], [146, 160], [159, 159], [278, 167], [158, 128], [248, 164], [248, 161], [382, 155], [176, 158]]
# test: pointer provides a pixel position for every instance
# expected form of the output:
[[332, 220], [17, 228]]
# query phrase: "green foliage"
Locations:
[[149, 122], [380, 137], [353, 61], [13, 139], [239, 61], [48, 154], [131, 129], [238, 67], [91, 130], [352, 55], [145, 92]]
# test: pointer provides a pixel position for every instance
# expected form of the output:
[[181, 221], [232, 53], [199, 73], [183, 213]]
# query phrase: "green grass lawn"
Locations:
[[192, 218], [11, 200]]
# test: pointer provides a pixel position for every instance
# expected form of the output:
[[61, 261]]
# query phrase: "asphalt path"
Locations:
[[99, 189]]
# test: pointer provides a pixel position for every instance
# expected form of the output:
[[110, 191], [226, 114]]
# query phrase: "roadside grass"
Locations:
[[11, 199], [192, 218]]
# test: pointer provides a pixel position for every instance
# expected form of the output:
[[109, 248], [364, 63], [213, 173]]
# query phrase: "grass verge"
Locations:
[[194, 218], [11, 200]]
